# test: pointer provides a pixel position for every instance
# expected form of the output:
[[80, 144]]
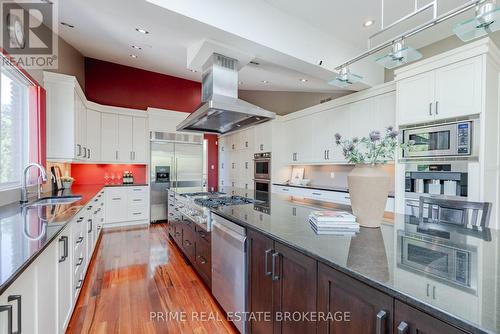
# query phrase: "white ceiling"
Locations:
[[106, 30]]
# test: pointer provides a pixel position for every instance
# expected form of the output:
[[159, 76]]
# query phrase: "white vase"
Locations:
[[67, 185], [368, 188]]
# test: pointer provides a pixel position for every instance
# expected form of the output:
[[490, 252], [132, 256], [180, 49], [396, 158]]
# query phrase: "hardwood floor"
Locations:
[[139, 271]]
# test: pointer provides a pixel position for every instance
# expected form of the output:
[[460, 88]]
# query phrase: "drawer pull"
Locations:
[[64, 240], [137, 200], [137, 213], [19, 312], [79, 285], [80, 261], [403, 328], [79, 241], [317, 194], [136, 189], [285, 189], [7, 308], [381, 320], [116, 198]]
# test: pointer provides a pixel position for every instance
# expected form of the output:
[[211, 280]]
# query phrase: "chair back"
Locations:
[[455, 212]]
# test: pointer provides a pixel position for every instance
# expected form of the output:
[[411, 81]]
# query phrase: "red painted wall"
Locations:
[[129, 87], [94, 173]]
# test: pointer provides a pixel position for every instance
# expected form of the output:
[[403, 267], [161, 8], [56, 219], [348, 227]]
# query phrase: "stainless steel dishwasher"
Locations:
[[229, 263]]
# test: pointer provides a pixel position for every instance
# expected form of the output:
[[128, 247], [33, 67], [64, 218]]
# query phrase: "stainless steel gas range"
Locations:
[[196, 206]]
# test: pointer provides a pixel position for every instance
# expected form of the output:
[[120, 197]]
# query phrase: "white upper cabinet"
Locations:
[[323, 141], [299, 135], [415, 98], [310, 139], [80, 130], [263, 137], [66, 118], [446, 92], [93, 128], [125, 138], [139, 135], [109, 138], [458, 89]]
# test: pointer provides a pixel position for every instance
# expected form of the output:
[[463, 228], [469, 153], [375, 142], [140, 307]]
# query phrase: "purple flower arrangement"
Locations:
[[377, 148]]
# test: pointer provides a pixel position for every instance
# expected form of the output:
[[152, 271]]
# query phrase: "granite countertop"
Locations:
[[375, 256], [316, 187], [26, 231]]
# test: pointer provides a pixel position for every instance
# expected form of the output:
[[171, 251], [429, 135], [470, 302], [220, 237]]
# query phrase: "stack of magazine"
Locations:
[[333, 222]]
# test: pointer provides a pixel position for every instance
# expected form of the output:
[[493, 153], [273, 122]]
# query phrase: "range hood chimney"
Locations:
[[221, 111]]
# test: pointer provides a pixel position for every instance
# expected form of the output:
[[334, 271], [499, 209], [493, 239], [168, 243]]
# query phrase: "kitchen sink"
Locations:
[[61, 200]]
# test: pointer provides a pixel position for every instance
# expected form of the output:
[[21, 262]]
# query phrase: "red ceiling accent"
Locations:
[[129, 87]]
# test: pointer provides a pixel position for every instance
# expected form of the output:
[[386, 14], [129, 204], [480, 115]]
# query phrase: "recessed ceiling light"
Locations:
[[265, 81], [303, 80], [142, 31], [368, 23], [136, 47], [67, 25], [133, 56]]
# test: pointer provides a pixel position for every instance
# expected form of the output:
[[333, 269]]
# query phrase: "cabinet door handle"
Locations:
[[275, 276], [430, 109], [437, 105], [131, 156], [64, 240], [403, 328], [266, 264], [381, 320], [80, 261], [19, 312], [202, 259], [327, 154], [317, 194], [90, 229], [89, 152], [434, 292], [262, 147], [8, 309], [79, 285], [427, 290], [79, 241], [79, 150], [116, 155]]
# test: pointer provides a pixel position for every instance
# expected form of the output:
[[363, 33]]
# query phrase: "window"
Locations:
[[14, 125]]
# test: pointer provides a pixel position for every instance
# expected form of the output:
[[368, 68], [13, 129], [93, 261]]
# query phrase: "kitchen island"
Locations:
[[382, 277]]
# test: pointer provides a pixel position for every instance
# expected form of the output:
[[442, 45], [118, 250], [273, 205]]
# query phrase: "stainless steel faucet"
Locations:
[[24, 190]]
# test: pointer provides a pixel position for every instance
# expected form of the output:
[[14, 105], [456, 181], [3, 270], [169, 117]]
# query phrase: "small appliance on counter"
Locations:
[[128, 177]]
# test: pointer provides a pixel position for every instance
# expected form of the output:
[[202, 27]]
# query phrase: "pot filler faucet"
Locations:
[[24, 189]]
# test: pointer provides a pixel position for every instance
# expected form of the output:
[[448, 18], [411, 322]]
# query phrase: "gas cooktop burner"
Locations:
[[203, 193], [223, 201]]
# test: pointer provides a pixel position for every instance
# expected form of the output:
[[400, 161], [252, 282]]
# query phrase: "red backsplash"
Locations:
[[94, 173]]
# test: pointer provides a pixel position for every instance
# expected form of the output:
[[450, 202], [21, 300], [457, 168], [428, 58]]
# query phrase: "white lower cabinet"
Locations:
[[42, 298], [127, 205], [64, 278], [18, 304], [338, 197]]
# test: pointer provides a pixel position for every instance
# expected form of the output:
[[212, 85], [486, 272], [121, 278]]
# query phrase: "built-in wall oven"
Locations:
[[262, 176], [441, 140], [452, 263], [262, 166]]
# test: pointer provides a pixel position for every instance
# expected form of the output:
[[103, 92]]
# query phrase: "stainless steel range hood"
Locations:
[[221, 111]]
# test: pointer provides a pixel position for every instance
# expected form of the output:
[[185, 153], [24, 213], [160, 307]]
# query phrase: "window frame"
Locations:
[[34, 131]]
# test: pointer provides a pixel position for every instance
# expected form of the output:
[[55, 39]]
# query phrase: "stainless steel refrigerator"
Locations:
[[174, 164]]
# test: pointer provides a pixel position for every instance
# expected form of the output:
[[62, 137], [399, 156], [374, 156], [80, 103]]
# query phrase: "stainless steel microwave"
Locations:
[[441, 140], [448, 262]]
